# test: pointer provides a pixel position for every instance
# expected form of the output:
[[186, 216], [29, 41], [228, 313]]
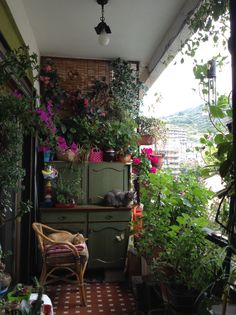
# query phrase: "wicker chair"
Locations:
[[61, 255]]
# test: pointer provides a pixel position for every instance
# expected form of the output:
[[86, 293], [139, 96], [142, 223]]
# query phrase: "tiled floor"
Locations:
[[102, 298]]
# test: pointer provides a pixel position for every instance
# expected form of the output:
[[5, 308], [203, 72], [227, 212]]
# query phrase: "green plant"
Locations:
[[125, 89], [195, 262], [126, 137], [152, 126], [17, 119], [165, 198], [67, 190]]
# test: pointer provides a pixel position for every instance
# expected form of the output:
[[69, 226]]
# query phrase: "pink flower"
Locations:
[[86, 102], [136, 161], [49, 107], [48, 68], [61, 142], [153, 170], [17, 94], [102, 114], [147, 151], [74, 148], [154, 159], [43, 148], [43, 115]]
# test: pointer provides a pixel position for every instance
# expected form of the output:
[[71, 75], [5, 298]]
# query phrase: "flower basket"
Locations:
[[96, 155], [67, 155], [146, 140]]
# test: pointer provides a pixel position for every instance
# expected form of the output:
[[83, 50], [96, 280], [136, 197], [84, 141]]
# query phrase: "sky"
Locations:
[[175, 85]]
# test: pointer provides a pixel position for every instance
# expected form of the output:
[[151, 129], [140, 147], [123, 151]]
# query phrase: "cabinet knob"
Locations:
[[62, 218]]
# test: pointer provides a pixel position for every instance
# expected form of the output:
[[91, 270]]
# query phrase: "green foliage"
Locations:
[[125, 89], [204, 27], [195, 263], [16, 120], [152, 126], [166, 198], [119, 135], [16, 64], [67, 190]]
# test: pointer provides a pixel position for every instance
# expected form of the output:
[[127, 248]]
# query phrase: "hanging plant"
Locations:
[[16, 120]]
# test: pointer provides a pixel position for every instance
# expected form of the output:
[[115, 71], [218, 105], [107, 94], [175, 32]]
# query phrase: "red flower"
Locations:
[[86, 102], [154, 159], [153, 170], [136, 161], [147, 151]]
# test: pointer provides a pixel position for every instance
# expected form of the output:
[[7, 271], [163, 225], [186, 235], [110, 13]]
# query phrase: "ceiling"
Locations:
[[142, 30]]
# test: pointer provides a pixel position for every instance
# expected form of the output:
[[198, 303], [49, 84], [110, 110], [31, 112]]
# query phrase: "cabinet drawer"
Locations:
[[109, 216], [72, 227], [62, 216]]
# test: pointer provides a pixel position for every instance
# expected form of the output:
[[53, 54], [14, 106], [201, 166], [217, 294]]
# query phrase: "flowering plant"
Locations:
[[77, 131], [142, 164]]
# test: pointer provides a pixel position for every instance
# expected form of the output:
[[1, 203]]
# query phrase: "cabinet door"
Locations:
[[107, 243], [104, 177]]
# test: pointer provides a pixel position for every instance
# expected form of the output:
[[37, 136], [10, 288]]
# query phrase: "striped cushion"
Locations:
[[54, 249]]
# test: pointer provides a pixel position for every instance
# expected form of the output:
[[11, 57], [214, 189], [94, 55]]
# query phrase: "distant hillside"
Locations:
[[192, 118]]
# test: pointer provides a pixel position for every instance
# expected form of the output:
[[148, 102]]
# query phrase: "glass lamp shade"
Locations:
[[103, 38]]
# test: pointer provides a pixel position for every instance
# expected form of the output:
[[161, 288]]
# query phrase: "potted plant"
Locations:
[[151, 130], [67, 190], [172, 239], [189, 267], [126, 140], [125, 90], [5, 278]]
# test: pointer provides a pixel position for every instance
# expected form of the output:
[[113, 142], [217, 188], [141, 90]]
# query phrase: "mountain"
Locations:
[[194, 119]]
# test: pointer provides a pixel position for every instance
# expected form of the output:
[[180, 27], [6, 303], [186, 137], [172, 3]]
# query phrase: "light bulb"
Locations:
[[103, 38]]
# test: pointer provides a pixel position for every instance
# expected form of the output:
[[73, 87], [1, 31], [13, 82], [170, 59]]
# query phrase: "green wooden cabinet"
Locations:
[[107, 230]]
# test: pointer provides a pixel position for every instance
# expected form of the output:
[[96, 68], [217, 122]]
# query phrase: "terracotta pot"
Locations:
[[146, 140], [124, 158], [160, 161]]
